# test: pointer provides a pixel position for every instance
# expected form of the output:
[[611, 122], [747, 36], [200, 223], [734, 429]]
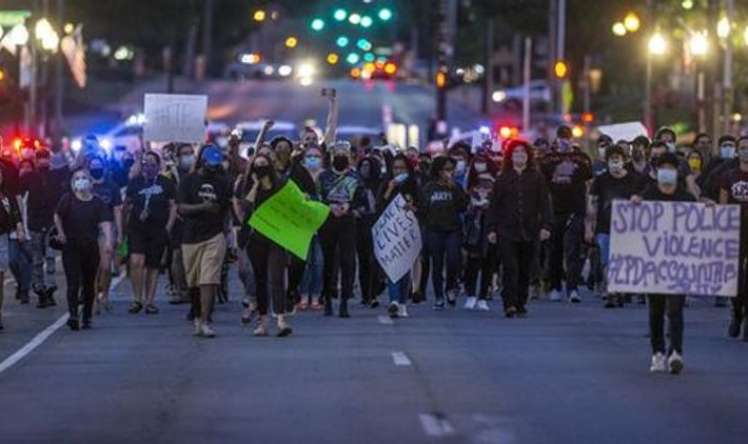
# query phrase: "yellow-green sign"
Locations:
[[13, 18]]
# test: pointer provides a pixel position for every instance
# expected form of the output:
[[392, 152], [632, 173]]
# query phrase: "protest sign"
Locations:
[[175, 118], [674, 248], [623, 131], [397, 239], [290, 219]]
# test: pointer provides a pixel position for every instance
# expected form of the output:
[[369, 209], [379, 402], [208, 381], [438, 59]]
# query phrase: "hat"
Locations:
[[58, 161], [212, 156]]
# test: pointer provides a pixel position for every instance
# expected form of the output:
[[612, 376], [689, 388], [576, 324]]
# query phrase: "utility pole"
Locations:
[[560, 47], [447, 19], [488, 61], [552, 37], [527, 78], [647, 111], [59, 78], [727, 86]]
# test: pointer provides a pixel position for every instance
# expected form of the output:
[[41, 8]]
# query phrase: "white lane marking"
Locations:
[[435, 426], [385, 320], [39, 339], [401, 359]]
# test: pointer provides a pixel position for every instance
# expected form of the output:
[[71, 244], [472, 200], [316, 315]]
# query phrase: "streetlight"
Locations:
[[259, 15], [656, 47], [631, 22], [698, 45], [291, 42], [619, 29], [723, 28]]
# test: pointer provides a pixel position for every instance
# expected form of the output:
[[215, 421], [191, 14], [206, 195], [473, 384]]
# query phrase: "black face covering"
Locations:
[[213, 170], [340, 163], [637, 155], [97, 173], [263, 171]]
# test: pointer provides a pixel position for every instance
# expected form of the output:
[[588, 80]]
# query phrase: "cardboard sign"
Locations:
[[623, 131], [397, 239], [674, 248], [175, 118], [289, 219]]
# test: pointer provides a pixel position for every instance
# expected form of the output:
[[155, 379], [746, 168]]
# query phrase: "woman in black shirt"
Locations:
[[10, 221], [268, 259], [79, 218]]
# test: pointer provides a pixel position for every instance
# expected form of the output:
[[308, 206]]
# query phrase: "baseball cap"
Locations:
[[212, 156]]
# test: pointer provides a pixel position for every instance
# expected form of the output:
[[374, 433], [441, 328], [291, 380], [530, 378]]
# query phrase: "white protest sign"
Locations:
[[623, 131], [674, 248], [397, 239], [175, 118]]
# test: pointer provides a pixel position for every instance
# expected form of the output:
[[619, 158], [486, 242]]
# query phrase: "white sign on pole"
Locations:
[[623, 131], [175, 118], [397, 239], [674, 248]]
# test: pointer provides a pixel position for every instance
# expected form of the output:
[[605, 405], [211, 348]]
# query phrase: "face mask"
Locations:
[[666, 176], [82, 184], [694, 164], [313, 163], [365, 171], [400, 178], [481, 167], [383, 169], [186, 162], [150, 171], [43, 165], [460, 167], [263, 171], [564, 146], [24, 172], [670, 147], [727, 151], [637, 155], [340, 163], [97, 173], [213, 170], [519, 159], [615, 166], [601, 153], [743, 155], [27, 154], [129, 163], [424, 167]]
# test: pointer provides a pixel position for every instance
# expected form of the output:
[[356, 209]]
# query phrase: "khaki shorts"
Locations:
[[203, 261]]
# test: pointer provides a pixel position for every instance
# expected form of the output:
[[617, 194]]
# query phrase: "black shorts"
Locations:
[[150, 243]]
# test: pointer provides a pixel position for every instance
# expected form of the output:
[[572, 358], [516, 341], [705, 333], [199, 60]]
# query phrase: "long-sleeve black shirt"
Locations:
[[520, 206], [440, 206]]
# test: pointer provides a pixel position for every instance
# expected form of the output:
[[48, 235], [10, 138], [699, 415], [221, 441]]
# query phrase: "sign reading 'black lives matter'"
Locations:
[[674, 248]]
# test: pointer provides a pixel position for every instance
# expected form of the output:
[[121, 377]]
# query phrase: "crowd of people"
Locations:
[[518, 220]]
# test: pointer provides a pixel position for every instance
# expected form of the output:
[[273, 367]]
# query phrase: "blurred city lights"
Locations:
[[498, 96], [291, 42], [352, 58], [369, 57], [699, 43], [631, 22], [687, 4], [342, 41], [340, 14], [250, 59], [285, 70], [390, 68], [69, 28], [354, 19], [318, 24], [305, 70], [366, 21], [332, 58], [619, 29], [723, 28], [385, 14], [657, 45], [259, 15]]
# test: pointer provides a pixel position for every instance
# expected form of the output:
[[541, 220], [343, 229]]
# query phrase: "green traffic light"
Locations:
[[342, 41], [385, 14], [318, 24], [340, 14]]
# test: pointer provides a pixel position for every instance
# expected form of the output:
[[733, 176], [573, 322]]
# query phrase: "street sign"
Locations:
[[13, 18]]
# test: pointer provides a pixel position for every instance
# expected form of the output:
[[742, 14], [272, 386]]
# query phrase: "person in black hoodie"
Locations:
[[520, 214], [10, 222], [370, 172], [440, 205]]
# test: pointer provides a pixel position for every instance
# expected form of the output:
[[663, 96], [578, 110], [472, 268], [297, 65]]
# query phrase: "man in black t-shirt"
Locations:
[[567, 172], [204, 201], [734, 190], [615, 183], [150, 201]]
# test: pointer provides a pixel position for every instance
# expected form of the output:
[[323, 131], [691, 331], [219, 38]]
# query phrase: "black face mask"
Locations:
[[340, 163], [97, 173], [128, 163], [637, 155], [213, 170], [425, 167], [263, 171]]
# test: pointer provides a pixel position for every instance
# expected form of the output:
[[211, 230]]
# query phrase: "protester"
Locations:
[[184, 163], [666, 189], [152, 213], [10, 222], [440, 205], [268, 259], [519, 216], [615, 183], [19, 251], [312, 281], [204, 200], [84, 226], [734, 190], [481, 258], [403, 183], [600, 164], [370, 174], [340, 188]]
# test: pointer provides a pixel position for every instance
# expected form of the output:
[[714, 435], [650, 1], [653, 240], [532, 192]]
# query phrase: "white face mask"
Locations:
[[727, 151], [186, 162], [481, 167], [460, 167], [615, 166], [82, 184], [601, 153], [670, 147], [519, 159], [667, 176]]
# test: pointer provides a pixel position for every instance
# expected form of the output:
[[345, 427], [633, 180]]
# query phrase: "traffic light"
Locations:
[[2, 75], [318, 24], [441, 79], [561, 69]]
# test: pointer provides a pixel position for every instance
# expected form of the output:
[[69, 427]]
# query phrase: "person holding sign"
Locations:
[[519, 215], [339, 187], [668, 190], [204, 198], [268, 259], [734, 190], [403, 183]]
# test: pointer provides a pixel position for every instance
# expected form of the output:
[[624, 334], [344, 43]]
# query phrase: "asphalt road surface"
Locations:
[[566, 374]]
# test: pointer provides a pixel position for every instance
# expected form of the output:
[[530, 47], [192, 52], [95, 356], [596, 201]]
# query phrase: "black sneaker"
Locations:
[[439, 305], [733, 330], [86, 324], [393, 309], [73, 324], [50, 293], [452, 298]]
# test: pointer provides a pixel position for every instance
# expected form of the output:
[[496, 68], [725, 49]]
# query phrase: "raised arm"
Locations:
[[332, 121]]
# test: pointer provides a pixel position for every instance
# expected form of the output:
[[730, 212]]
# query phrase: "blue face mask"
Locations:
[[727, 152], [400, 178], [666, 176], [313, 163]]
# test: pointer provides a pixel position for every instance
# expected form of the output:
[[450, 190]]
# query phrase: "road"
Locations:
[[567, 374]]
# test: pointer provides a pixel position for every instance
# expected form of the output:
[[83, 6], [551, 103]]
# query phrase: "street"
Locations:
[[565, 374]]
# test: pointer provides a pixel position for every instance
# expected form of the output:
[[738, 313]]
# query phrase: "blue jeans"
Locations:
[[398, 291], [19, 256], [311, 284], [443, 245], [603, 243]]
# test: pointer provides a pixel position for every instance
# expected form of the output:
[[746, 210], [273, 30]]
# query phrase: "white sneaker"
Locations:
[[196, 323], [658, 363], [675, 362], [483, 305], [393, 309], [402, 311], [555, 296], [574, 297], [470, 303], [206, 331], [534, 292]]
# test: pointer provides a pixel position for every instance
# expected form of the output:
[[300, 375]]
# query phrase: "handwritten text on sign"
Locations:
[[397, 239], [175, 118], [674, 248]]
